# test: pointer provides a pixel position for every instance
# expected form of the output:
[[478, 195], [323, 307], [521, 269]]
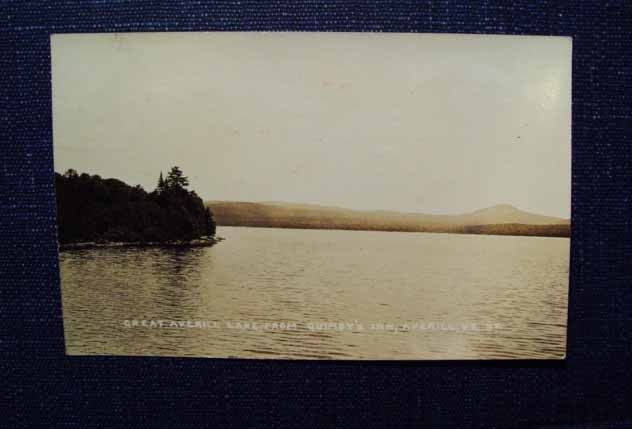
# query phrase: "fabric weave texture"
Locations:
[[43, 386]]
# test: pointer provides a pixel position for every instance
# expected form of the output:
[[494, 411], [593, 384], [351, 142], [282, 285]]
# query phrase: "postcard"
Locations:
[[355, 196]]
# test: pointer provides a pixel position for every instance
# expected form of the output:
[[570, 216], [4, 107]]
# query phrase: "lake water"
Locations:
[[309, 294]]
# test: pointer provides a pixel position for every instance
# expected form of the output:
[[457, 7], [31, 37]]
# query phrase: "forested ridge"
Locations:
[[93, 209]]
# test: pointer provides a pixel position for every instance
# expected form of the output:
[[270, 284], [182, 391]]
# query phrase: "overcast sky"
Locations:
[[407, 122]]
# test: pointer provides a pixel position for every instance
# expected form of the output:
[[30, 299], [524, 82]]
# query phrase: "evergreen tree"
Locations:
[[161, 184], [176, 180], [90, 208]]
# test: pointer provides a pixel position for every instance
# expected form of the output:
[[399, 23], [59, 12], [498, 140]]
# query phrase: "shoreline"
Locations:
[[198, 242], [537, 231]]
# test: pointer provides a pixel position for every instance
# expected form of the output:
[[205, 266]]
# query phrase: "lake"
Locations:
[[322, 294]]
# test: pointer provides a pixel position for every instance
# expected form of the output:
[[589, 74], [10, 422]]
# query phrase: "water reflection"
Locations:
[[266, 276]]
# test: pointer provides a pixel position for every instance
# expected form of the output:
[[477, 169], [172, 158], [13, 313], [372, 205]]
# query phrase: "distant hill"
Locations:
[[505, 213], [501, 219]]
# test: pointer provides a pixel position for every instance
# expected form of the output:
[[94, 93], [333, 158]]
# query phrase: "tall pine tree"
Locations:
[[161, 184], [176, 180]]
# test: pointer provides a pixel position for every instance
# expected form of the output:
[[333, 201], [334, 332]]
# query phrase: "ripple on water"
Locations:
[[307, 277]]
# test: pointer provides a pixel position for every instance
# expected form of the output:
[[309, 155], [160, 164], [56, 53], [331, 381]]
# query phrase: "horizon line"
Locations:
[[390, 210], [206, 201]]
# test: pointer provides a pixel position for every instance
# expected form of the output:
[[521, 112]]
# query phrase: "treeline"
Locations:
[[93, 209]]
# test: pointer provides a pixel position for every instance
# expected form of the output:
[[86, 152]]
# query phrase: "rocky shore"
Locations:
[[199, 242]]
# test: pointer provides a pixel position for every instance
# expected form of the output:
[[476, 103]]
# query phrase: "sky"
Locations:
[[441, 124]]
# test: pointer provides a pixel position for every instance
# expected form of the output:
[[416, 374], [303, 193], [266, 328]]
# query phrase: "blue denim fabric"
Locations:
[[42, 386]]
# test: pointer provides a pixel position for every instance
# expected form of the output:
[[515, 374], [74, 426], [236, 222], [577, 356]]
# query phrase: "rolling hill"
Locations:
[[500, 219]]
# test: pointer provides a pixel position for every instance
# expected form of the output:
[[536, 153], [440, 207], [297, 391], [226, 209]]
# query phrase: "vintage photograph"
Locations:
[[358, 196]]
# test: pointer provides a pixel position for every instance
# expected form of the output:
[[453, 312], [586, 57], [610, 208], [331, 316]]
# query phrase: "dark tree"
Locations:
[[210, 222], [90, 208], [161, 184], [175, 179], [71, 174]]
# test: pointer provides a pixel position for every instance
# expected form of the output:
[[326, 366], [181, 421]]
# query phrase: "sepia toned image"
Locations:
[[313, 195]]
